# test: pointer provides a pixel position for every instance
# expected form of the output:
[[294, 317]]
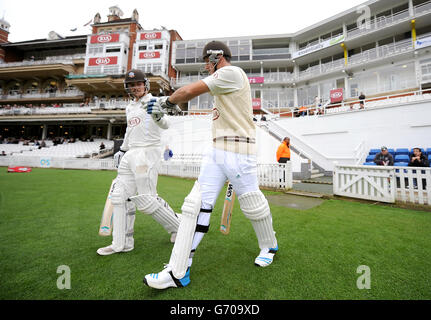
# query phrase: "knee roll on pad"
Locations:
[[159, 209], [118, 194], [255, 207]]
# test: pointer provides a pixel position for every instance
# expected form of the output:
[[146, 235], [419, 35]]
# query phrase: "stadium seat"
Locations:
[[401, 164], [374, 151], [392, 152], [370, 158], [401, 151], [428, 151], [402, 158], [369, 164]]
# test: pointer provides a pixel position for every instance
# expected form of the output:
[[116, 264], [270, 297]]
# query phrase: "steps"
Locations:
[[315, 173]]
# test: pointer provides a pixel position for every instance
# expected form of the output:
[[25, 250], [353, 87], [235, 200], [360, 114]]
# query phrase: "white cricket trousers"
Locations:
[[217, 167]]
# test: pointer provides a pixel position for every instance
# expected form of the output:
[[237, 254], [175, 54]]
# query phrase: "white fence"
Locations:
[[385, 184], [276, 176]]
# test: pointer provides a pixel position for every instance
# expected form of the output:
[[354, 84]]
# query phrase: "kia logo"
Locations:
[[134, 121], [149, 55], [336, 94], [256, 103], [150, 36], [102, 61], [104, 38]]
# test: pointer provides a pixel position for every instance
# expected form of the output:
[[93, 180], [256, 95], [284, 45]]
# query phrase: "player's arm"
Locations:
[[188, 92]]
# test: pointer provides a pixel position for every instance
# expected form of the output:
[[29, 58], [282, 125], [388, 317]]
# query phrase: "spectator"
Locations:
[[418, 159], [283, 151], [168, 154], [384, 158], [361, 101], [102, 146], [302, 111], [3, 154], [254, 119], [263, 118]]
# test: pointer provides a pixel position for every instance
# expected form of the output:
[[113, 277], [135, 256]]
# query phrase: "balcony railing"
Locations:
[[58, 94], [378, 23], [381, 52], [423, 8]]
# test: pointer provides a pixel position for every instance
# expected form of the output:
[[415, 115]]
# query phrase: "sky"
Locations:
[[193, 19]]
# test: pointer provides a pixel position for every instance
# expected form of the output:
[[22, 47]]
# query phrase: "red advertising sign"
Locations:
[[336, 95], [102, 61], [256, 79], [105, 38], [151, 35], [149, 55], [257, 103], [18, 169]]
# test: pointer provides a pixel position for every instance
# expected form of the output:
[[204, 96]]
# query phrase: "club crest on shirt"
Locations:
[[133, 122], [216, 114], [215, 75]]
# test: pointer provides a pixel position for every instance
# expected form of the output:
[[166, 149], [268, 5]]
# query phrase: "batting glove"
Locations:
[[166, 104], [154, 108], [117, 158]]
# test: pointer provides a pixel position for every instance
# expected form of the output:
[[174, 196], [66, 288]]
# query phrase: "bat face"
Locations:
[[105, 228]]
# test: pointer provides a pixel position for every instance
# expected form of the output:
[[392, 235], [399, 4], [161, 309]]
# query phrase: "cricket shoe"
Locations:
[[165, 279], [265, 257], [106, 251]]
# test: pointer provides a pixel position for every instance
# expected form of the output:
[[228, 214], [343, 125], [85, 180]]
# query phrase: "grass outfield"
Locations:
[[50, 217]]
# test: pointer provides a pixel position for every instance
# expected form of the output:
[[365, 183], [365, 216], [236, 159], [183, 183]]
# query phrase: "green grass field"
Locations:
[[50, 218]]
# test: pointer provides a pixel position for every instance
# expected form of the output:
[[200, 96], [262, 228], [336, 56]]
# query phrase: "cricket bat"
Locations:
[[226, 217], [105, 228]]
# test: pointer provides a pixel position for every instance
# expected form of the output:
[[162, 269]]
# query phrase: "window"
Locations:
[[144, 47], [158, 46], [113, 49]]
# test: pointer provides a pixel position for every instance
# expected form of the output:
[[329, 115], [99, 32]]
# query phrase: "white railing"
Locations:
[[388, 50], [364, 183], [384, 184], [276, 176], [378, 23], [370, 103], [423, 8]]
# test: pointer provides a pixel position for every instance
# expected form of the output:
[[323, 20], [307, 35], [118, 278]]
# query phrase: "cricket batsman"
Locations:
[[232, 157], [138, 162]]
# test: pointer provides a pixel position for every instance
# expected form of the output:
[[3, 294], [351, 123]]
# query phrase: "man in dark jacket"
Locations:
[[417, 159], [384, 158]]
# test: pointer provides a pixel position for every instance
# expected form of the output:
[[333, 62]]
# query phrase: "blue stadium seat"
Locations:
[[369, 164], [370, 158], [402, 158], [374, 151], [428, 151], [401, 164], [402, 151], [392, 152]]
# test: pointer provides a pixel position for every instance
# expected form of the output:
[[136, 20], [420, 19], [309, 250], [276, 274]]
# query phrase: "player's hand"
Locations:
[[154, 108], [166, 104], [117, 158]]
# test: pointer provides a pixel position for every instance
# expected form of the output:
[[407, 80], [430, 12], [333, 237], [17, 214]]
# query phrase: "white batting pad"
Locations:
[[183, 244], [255, 207], [159, 209], [119, 227]]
